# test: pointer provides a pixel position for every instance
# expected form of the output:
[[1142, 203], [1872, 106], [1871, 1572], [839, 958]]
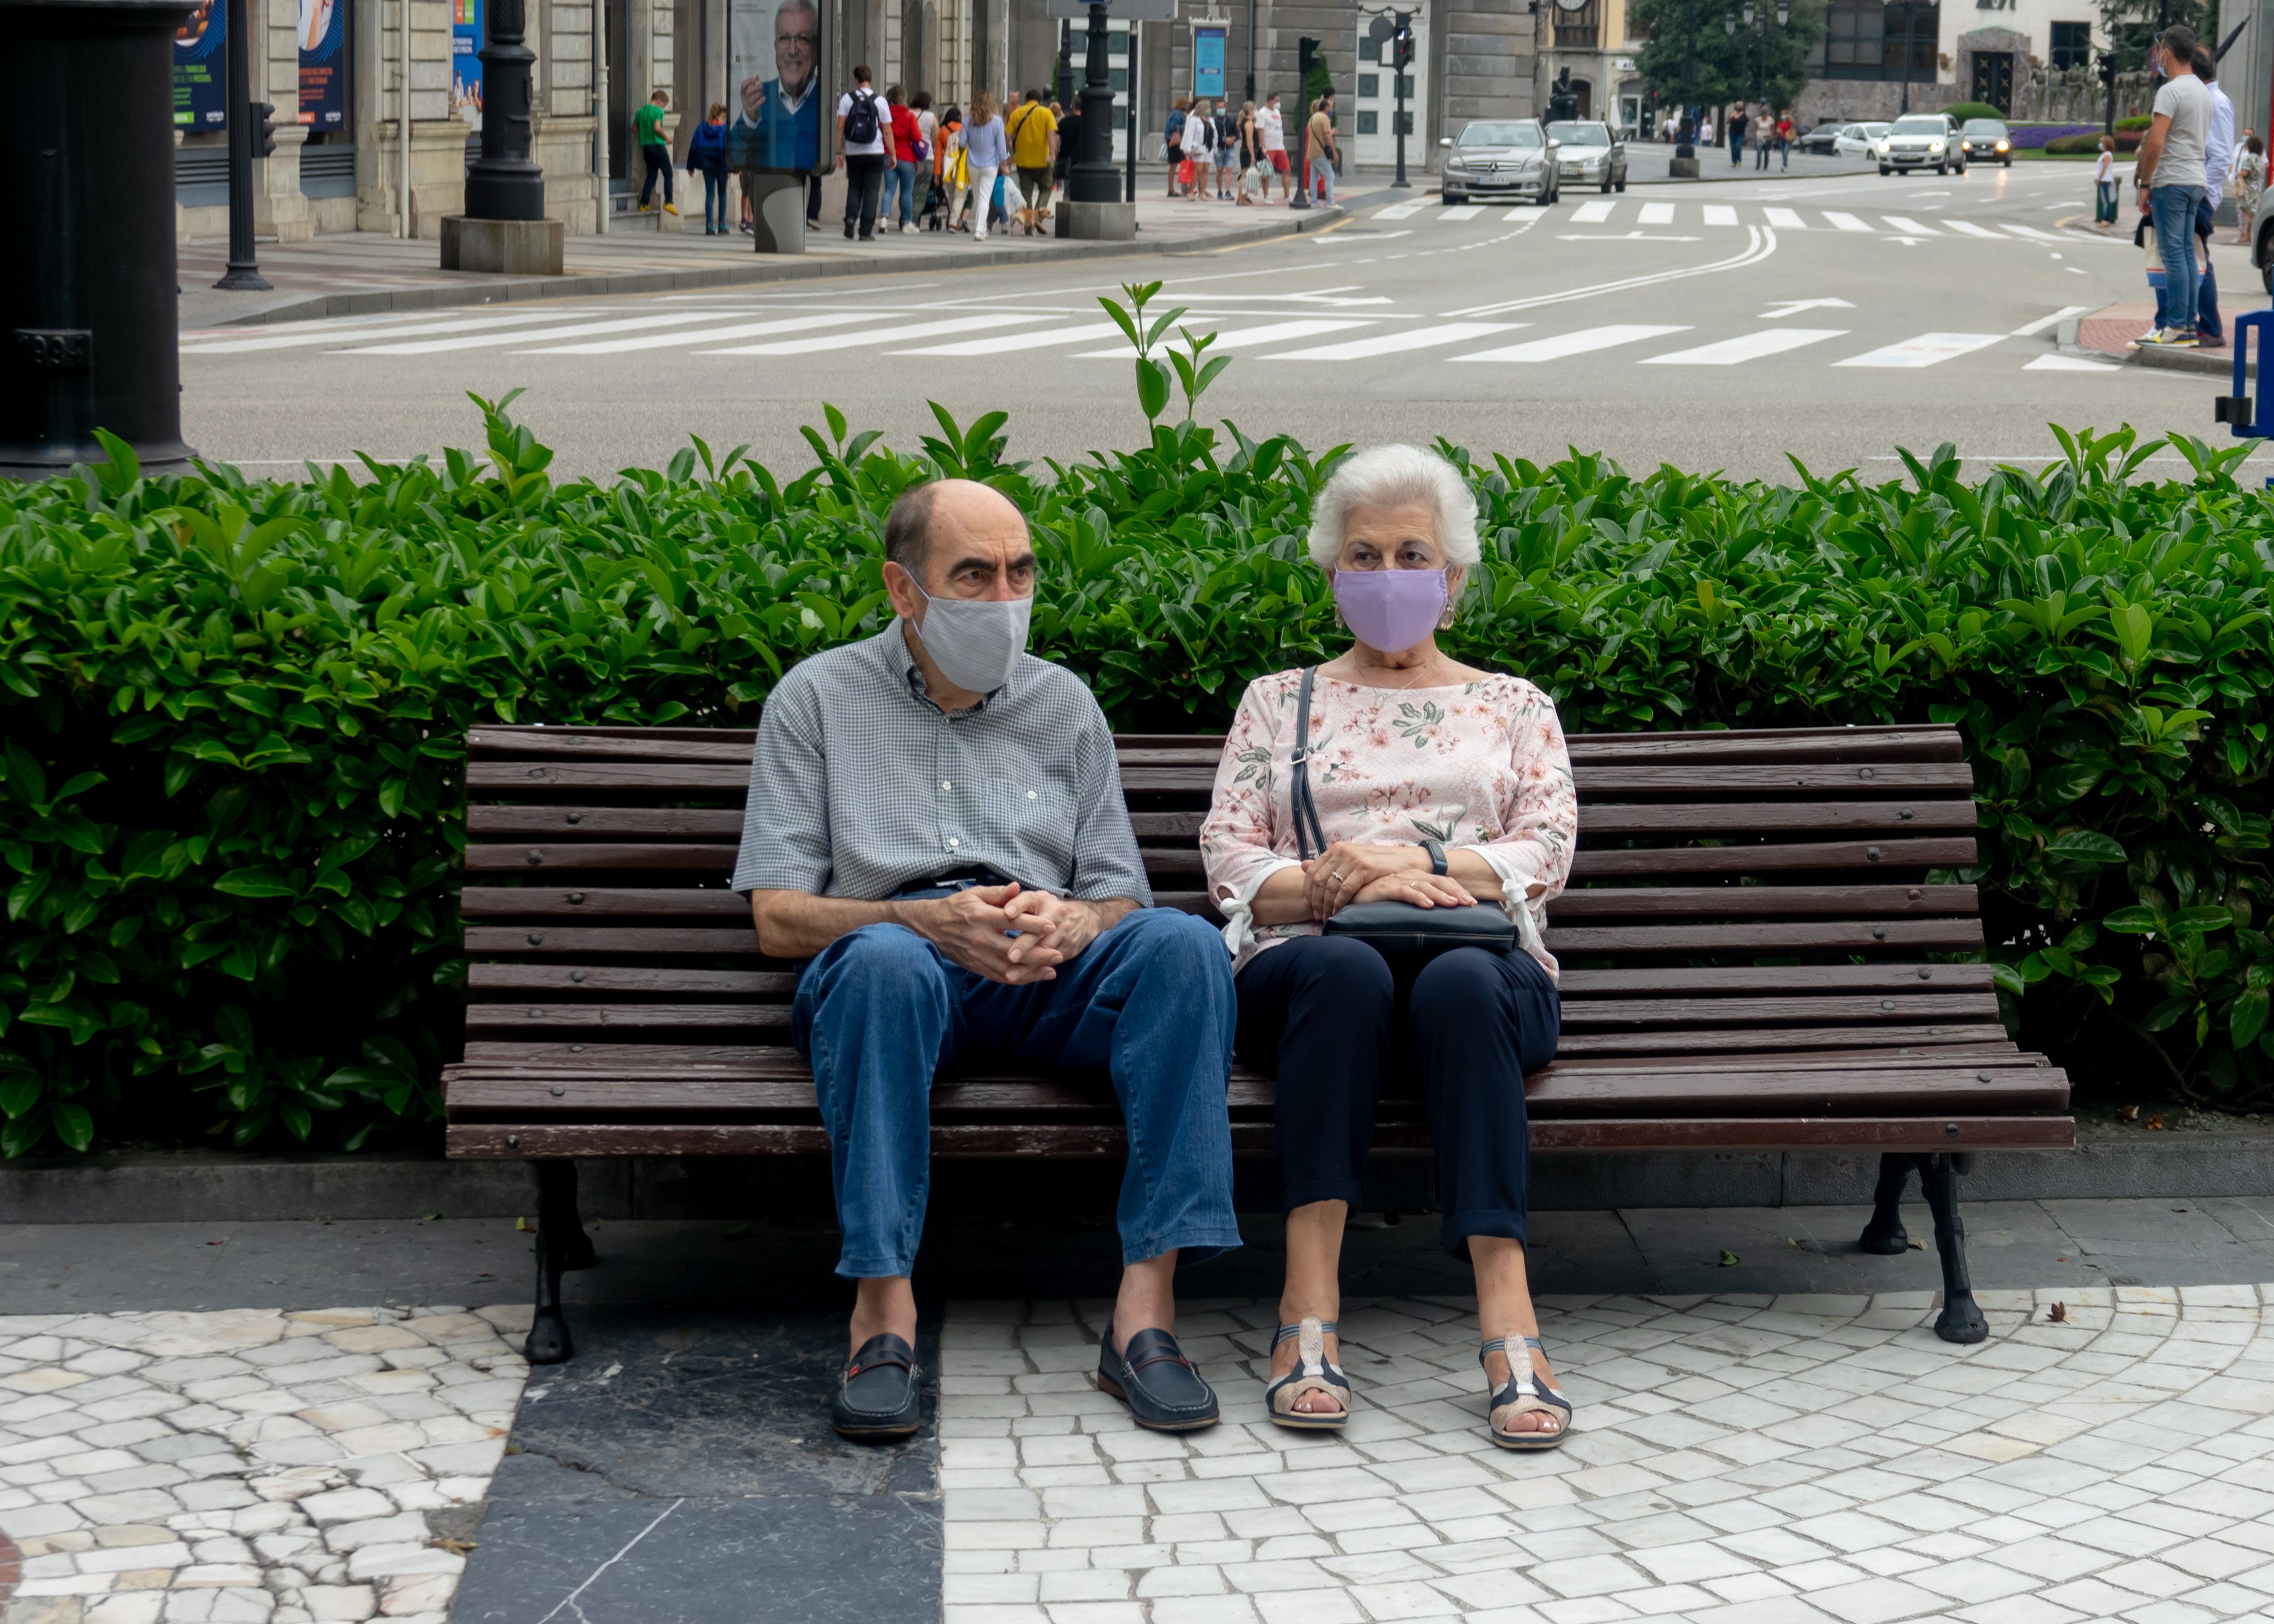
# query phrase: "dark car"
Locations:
[[1986, 140], [1820, 141]]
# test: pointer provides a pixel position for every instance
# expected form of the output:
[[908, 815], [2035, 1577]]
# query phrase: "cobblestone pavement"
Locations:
[[249, 1466], [1742, 1460]]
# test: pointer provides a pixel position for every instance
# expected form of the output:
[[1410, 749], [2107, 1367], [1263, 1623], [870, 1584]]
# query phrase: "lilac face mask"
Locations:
[[1390, 609]]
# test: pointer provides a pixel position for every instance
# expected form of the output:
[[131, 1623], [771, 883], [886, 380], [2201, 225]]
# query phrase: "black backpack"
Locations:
[[861, 119]]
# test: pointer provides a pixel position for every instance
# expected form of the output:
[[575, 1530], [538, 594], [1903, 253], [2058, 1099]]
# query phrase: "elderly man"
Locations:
[[936, 821], [778, 126]]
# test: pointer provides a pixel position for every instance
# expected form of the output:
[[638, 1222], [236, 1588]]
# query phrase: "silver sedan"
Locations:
[[1591, 155], [1499, 158]]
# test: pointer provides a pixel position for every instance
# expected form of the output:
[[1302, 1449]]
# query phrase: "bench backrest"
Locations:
[[1750, 899]]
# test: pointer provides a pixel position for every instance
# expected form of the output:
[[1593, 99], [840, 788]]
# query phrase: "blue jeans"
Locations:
[[2207, 321], [714, 201], [900, 179], [1736, 147], [1323, 181], [1150, 1002], [2173, 210]]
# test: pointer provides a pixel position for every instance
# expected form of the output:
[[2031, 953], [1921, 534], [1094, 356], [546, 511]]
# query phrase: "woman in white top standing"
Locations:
[[1200, 145], [2249, 183], [985, 150], [2104, 186]]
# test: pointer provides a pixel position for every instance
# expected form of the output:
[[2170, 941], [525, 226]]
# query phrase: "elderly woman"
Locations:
[[1437, 785]]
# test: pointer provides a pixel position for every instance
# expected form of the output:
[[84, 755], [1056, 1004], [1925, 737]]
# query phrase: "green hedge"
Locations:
[[2063, 146], [231, 771], [1965, 110]]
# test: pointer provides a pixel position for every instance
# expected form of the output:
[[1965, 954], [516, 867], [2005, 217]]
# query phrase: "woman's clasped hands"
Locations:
[[1350, 872]]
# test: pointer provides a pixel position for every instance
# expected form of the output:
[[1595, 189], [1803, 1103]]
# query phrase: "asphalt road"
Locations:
[[1724, 325]]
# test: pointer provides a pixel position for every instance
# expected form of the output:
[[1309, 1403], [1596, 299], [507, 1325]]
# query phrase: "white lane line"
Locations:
[[1461, 211], [1581, 342], [483, 341], [1273, 333], [1720, 215], [1751, 347], [874, 335], [1400, 211], [1593, 212], [1657, 214], [1927, 350], [1970, 230], [803, 322], [1759, 245], [1785, 219], [2034, 234], [330, 335], [331, 324], [1394, 343], [1909, 227], [1004, 343], [2043, 322], [2070, 363], [1845, 222]]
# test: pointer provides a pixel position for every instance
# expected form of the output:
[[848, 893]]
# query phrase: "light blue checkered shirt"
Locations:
[[861, 786]]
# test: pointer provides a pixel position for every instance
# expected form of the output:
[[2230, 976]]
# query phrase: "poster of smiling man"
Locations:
[[775, 96]]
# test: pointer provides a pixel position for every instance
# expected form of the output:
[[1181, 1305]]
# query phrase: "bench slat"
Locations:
[[1784, 978], [549, 939], [1749, 1133], [1758, 901], [571, 979], [1772, 1038], [1598, 819], [535, 902], [1883, 855], [569, 822], [524, 858], [620, 1017], [1706, 1012], [1954, 934]]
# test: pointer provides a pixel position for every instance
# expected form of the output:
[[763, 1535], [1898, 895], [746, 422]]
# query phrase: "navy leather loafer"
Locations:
[[1153, 1376], [876, 1395]]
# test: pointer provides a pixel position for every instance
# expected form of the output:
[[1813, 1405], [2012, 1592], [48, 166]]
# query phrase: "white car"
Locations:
[[1860, 140], [1921, 141]]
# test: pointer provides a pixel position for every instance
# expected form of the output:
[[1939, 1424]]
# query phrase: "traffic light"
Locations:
[[264, 128], [1404, 40]]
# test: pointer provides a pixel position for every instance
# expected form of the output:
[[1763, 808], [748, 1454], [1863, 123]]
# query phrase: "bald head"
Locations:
[[960, 538]]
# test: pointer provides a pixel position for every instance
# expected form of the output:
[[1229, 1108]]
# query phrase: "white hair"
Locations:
[[1391, 475]]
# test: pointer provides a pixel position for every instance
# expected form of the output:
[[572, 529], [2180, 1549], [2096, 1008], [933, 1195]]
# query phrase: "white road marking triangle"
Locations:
[[1003, 343], [1750, 347], [1927, 350], [804, 322], [1593, 212], [874, 335], [483, 340], [1397, 344], [1562, 344], [2035, 327], [1275, 333]]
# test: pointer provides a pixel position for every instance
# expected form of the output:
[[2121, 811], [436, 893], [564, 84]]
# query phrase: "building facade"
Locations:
[[2034, 59], [350, 78]]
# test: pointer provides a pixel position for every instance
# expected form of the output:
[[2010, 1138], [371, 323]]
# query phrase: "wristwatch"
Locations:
[[1436, 850]]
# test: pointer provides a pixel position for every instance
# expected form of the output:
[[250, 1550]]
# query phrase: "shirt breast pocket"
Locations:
[[1036, 818]]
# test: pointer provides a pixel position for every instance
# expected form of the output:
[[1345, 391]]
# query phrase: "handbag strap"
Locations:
[[1308, 833]]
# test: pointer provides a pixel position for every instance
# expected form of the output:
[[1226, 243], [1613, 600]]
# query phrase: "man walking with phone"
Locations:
[[2173, 173]]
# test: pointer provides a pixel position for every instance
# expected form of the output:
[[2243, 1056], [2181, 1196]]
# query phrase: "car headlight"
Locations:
[[1455, 166], [1934, 146], [2003, 145], [1883, 149]]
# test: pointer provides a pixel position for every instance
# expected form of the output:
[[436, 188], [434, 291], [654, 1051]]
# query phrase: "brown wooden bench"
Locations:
[[1756, 956]]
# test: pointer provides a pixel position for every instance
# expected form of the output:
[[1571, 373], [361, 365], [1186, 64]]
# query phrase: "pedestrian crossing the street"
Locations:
[[1368, 330]]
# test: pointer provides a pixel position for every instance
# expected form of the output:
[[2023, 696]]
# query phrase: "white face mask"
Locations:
[[976, 643]]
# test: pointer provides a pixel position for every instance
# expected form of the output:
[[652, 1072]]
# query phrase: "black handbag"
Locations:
[[1403, 929]]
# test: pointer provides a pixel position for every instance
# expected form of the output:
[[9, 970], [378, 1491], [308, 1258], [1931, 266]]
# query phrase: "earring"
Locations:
[[1445, 621], [1338, 618]]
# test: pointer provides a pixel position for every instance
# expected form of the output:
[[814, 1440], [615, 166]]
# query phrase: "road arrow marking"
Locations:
[[1793, 307]]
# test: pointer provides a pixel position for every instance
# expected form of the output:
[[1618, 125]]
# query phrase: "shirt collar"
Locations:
[[900, 660]]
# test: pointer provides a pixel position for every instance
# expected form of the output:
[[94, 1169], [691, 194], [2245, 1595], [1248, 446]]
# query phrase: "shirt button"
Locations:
[[944, 784], [1031, 795], [954, 842]]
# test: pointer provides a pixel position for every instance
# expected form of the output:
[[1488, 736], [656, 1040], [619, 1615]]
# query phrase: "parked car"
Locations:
[[1860, 140], [1592, 155], [1986, 140], [1820, 141], [1920, 141], [1499, 158]]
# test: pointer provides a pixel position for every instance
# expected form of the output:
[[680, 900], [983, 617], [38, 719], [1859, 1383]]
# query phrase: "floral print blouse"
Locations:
[[1482, 764]]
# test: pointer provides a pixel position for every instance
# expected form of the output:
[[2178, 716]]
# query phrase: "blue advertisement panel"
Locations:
[[324, 63], [1207, 63], [775, 86], [465, 64], [201, 70]]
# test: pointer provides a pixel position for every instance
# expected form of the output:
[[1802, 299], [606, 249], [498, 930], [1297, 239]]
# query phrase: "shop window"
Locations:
[[2072, 46]]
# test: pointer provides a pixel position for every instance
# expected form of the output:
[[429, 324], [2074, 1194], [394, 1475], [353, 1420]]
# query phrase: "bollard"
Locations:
[[88, 314], [2239, 409]]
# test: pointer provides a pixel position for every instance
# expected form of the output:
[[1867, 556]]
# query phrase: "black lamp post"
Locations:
[[246, 142], [88, 330], [1092, 179], [503, 183]]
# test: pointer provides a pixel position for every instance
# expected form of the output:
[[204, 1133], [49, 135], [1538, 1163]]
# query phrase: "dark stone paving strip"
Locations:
[[680, 1471]]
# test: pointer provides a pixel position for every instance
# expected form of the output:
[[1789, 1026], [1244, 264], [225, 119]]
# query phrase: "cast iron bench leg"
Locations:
[[1884, 1234], [1960, 1321], [558, 1234]]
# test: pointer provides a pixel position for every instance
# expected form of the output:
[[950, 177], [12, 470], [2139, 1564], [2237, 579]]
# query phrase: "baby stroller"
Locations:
[[933, 215]]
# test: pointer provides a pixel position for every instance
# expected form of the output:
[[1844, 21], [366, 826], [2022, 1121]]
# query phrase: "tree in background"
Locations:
[[1321, 81], [2130, 25], [1687, 34]]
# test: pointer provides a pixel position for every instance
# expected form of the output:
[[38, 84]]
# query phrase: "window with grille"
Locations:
[[2072, 46], [1578, 29]]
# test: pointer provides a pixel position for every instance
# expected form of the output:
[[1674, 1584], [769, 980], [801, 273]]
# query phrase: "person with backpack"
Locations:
[[900, 173], [706, 156], [865, 146], [1173, 140]]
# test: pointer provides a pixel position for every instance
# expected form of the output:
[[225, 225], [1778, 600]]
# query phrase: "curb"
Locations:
[[506, 289], [214, 1187]]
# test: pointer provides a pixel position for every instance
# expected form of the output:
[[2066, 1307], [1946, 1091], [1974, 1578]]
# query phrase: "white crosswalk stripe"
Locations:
[[1785, 219], [1460, 211], [1720, 215], [803, 322], [1927, 350], [1395, 211], [1561, 345], [1593, 212], [1398, 344], [1969, 229], [333, 335], [483, 341], [2035, 234], [1751, 347], [1657, 214], [1904, 224], [874, 335], [1005, 343], [2071, 363], [1845, 222], [1275, 333]]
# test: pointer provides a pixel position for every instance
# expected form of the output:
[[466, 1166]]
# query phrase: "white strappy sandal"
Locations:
[[1525, 1394], [1312, 1373]]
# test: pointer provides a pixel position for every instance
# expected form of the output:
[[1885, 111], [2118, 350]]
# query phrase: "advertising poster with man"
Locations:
[[775, 93]]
